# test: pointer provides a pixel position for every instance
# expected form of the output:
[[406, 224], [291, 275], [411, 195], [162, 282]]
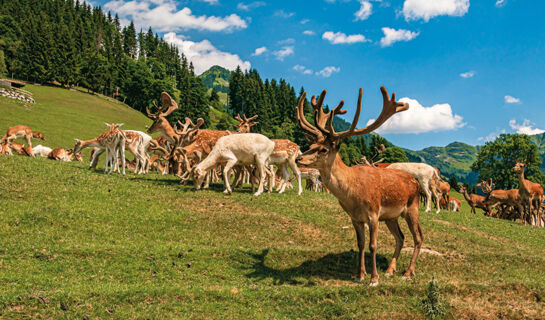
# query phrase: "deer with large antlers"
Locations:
[[531, 194], [367, 194], [160, 122]]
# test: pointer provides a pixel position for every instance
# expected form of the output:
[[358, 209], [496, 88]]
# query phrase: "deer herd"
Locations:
[[369, 192]]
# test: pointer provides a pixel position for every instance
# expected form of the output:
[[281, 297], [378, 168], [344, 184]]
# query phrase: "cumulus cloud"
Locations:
[[392, 35], [283, 53], [468, 74], [204, 55], [511, 99], [163, 16], [420, 119], [305, 21], [365, 10], [259, 51], [328, 71], [250, 6], [302, 69], [427, 9], [341, 38], [492, 135], [500, 3], [210, 1], [526, 127], [309, 32], [287, 41]]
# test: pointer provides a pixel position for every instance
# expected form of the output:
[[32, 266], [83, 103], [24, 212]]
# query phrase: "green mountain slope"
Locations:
[[217, 77]]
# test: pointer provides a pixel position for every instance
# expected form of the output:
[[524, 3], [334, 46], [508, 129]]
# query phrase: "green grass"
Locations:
[[77, 243]]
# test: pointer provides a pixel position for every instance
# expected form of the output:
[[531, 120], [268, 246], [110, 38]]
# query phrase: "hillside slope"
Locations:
[[62, 115], [217, 77]]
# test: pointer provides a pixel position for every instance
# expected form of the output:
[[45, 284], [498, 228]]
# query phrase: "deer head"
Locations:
[[519, 167], [38, 135], [245, 123], [325, 140], [486, 185], [159, 118], [189, 130]]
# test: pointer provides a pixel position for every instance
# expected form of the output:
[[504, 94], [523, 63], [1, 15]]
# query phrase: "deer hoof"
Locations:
[[388, 274], [358, 280], [373, 283]]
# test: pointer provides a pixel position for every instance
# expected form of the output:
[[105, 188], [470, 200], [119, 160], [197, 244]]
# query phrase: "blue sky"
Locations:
[[469, 69]]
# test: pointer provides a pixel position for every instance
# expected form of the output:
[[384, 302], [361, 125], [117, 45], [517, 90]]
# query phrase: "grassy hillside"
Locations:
[[97, 246], [62, 115]]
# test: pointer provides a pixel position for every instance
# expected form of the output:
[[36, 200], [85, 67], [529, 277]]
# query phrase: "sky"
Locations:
[[470, 70]]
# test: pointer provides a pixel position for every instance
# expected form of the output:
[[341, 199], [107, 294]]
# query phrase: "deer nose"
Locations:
[[299, 158]]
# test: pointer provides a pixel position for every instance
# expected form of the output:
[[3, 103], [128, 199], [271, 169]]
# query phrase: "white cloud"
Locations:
[[427, 9], [259, 51], [283, 53], [492, 135], [302, 69], [366, 8], [392, 35], [341, 38], [526, 127], [250, 6], [204, 55], [305, 21], [287, 41], [420, 119], [468, 74], [511, 99], [500, 3], [163, 16], [309, 32], [328, 71], [283, 14], [210, 1]]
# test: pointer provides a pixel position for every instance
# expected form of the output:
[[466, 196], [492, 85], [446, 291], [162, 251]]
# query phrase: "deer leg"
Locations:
[[416, 231], [29, 142], [122, 150], [393, 226], [226, 173], [427, 192], [260, 164], [373, 234], [360, 235], [297, 174]]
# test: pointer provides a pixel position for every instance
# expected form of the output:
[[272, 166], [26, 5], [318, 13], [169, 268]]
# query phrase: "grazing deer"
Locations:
[[284, 154], [113, 141], [312, 176], [160, 122], [475, 201], [138, 143], [21, 131], [531, 194], [367, 194], [501, 197], [241, 149]]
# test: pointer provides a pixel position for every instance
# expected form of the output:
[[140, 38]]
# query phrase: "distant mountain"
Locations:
[[217, 77], [453, 160]]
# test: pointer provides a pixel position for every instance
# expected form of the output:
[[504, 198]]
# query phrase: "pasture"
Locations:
[[77, 243]]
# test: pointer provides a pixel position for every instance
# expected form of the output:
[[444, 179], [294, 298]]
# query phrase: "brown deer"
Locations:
[[367, 194], [245, 123], [160, 122], [475, 201], [531, 194], [21, 131], [444, 189], [501, 197]]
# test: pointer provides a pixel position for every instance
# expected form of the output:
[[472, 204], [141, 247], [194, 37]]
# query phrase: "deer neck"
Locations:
[[522, 182], [336, 178], [91, 143]]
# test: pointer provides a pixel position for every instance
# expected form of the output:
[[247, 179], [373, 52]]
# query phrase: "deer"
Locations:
[[501, 197], [59, 154], [113, 141], [160, 122], [41, 151], [5, 148], [236, 149], [475, 201], [284, 154], [531, 194], [21, 131], [367, 194], [444, 189]]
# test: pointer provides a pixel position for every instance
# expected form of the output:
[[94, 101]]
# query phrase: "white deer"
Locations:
[[236, 149]]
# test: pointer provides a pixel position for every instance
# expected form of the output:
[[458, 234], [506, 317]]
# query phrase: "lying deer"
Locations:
[[21, 131], [367, 194]]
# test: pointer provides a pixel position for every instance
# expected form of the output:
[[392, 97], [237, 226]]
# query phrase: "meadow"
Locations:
[[77, 243]]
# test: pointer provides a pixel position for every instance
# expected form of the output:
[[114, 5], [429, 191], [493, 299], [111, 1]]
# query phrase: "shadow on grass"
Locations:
[[333, 266]]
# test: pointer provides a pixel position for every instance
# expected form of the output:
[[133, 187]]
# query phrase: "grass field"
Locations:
[[80, 244]]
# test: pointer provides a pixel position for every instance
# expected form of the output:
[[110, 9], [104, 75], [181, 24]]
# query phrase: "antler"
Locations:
[[305, 125], [167, 103], [389, 108]]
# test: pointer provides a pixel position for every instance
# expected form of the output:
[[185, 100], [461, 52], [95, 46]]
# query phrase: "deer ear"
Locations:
[[206, 148], [310, 138], [107, 124]]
